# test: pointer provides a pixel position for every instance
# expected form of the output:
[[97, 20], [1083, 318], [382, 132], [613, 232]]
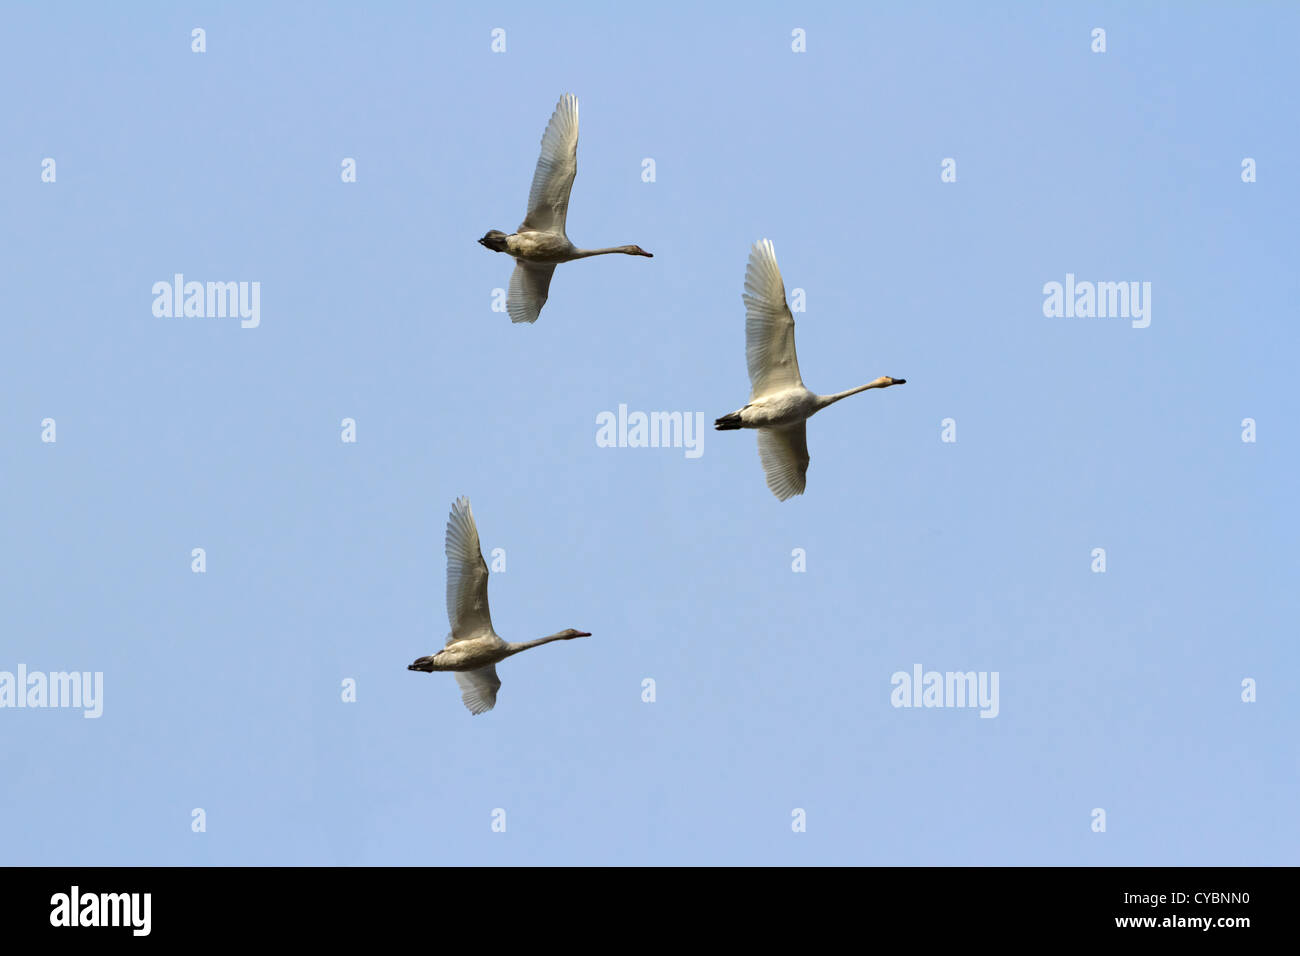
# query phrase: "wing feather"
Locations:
[[769, 326], [467, 577], [784, 453], [478, 688], [530, 284], [548, 199]]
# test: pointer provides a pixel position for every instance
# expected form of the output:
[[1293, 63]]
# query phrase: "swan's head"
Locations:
[[638, 251], [885, 381], [495, 240], [571, 633]]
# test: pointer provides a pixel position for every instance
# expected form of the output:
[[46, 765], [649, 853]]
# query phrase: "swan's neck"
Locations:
[[824, 400], [626, 250], [514, 647]]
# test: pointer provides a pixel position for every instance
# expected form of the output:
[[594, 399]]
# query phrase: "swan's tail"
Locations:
[[494, 240], [728, 423], [423, 664]]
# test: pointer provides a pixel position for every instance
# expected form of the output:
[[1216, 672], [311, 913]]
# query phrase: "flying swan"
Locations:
[[778, 402], [540, 243], [473, 648]]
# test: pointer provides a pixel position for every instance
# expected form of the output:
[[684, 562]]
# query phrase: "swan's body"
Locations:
[[779, 404], [473, 647], [540, 243]]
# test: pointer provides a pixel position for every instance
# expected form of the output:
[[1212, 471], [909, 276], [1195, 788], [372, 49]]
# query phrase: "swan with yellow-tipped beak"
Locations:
[[779, 404]]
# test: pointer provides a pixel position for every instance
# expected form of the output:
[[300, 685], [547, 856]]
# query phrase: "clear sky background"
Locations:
[[222, 690]]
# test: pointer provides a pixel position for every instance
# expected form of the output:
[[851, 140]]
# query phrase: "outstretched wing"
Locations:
[[784, 452], [529, 285], [548, 200], [467, 577], [769, 326], [478, 688]]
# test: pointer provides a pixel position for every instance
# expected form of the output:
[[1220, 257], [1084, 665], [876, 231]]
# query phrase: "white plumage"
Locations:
[[779, 404]]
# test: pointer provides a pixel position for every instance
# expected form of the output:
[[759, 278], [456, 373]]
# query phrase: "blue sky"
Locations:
[[1118, 690]]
